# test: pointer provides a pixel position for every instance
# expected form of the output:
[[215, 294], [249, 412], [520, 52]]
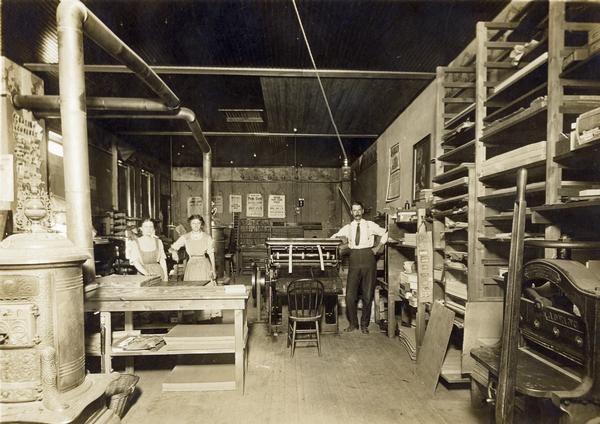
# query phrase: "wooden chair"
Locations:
[[305, 306]]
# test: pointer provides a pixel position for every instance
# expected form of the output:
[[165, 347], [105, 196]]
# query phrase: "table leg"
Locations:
[[239, 325], [128, 327], [106, 359]]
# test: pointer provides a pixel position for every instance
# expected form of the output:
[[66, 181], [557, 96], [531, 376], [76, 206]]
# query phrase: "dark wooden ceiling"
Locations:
[[390, 35]]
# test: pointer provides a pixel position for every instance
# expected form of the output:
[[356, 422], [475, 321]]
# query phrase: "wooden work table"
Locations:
[[177, 296]]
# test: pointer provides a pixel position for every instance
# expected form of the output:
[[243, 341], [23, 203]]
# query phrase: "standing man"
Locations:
[[361, 234]]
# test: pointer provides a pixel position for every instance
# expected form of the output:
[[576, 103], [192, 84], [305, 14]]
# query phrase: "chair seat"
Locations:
[[306, 319]]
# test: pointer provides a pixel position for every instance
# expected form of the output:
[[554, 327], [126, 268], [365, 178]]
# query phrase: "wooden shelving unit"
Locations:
[[411, 327]]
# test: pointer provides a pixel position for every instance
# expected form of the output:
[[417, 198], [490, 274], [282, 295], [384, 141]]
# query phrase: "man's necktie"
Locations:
[[357, 237]]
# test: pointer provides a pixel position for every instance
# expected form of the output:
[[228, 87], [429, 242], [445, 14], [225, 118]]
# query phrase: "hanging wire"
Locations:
[[320, 83]]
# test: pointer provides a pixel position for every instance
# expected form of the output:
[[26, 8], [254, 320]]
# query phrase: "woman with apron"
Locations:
[[147, 253], [201, 263]]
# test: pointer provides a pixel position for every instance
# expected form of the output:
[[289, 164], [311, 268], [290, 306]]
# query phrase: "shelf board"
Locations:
[[457, 242], [460, 138], [536, 171], [467, 112], [449, 212], [585, 156], [463, 153], [463, 198], [578, 104], [493, 240], [462, 170], [533, 74], [583, 207], [586, 68], [454, 187], [510, 192], [523, 101], [524, 127], [505, 217]]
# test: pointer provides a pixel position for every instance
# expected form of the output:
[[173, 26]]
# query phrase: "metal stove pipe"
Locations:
[[46, 106]]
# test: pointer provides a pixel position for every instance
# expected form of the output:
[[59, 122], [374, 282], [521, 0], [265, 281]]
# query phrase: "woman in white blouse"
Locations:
[[200, 249], [147, 254]]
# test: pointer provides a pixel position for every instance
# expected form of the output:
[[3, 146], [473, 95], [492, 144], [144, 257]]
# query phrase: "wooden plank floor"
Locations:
[[358, 379]]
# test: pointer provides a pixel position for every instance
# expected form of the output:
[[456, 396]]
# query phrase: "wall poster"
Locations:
[[421, 166], [217, 204], [393, 189], [235, 203], [254, 205], [194, 206], [276, 206]]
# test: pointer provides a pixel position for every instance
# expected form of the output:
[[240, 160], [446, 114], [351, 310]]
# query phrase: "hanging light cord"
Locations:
[[320, 83]]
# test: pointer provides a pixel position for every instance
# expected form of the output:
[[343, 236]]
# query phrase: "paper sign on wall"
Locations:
[[194, 205], [276, 206], [7, 188], [235, 203], [254, 205], [218, 203]]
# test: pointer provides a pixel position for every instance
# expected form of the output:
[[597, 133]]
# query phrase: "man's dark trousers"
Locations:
[[361, 273]]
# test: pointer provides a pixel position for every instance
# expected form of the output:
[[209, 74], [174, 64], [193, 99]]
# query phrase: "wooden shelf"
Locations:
[[461, 170], [505, 217], [533, 189], [524, 127], [461, 199], [463, 153], [493, 240], [458, 186], [533, 74], [459, 138], [449, 212], [584, 156], [457, 242], [584, 207], [586, 68], [468, 112], [521, 102], [536, 171]]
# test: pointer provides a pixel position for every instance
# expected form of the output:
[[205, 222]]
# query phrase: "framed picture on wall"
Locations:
[[394, 158], [421, 166]]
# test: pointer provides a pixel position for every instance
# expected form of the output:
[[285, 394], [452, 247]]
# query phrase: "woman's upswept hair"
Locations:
[[198, 217]]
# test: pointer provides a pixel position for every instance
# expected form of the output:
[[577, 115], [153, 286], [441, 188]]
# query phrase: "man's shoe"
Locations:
[[350, 329], [364, 330]]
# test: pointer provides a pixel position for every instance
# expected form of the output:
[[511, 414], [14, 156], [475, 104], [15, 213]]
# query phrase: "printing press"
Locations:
[[289, 259], [558, 358]]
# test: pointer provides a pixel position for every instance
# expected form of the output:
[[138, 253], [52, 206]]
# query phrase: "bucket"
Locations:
[[119, 392]]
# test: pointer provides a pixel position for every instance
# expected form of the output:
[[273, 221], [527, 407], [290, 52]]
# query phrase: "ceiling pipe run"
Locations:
[[73, 20], [73, 15], [44, 106]]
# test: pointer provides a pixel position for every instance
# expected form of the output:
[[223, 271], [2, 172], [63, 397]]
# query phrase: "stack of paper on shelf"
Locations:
[[410, 239], [455, 287], [201, 336], [408, 280]]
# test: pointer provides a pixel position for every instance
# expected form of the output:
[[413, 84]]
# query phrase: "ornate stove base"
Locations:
[[86, 404]]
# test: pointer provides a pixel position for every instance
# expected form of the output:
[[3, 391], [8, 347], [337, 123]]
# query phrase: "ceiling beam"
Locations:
[[257, 72], [246, 134]]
